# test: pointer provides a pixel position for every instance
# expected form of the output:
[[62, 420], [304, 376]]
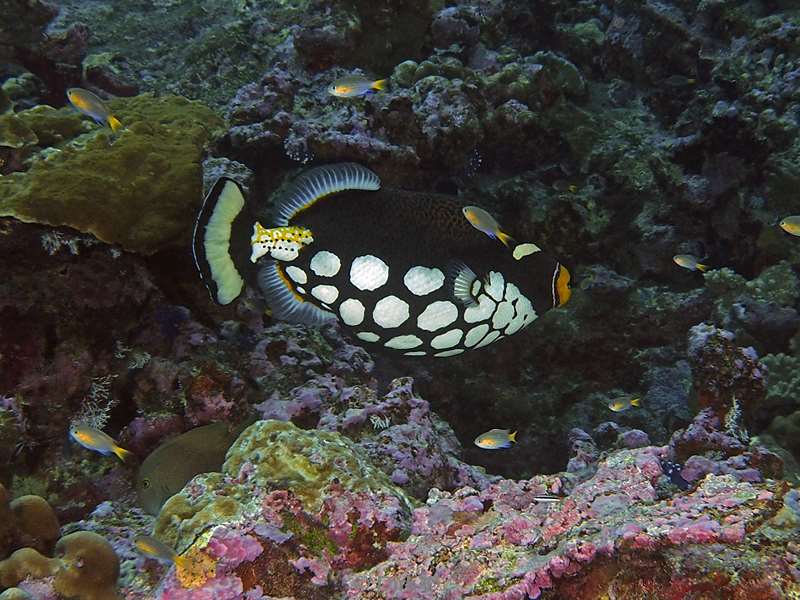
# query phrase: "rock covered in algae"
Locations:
[[137, 189], [272, 455]]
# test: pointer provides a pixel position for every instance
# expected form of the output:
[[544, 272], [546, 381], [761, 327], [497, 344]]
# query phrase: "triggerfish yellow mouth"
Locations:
[[562, 291]]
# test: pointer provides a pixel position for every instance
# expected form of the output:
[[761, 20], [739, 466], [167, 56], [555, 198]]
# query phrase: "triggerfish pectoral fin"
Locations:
[[459, 281], [217, 252]]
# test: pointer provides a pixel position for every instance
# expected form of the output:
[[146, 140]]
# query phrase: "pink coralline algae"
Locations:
[[504, 543]]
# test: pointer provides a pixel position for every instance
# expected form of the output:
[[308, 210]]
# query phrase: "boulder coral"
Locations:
[[133, 189]]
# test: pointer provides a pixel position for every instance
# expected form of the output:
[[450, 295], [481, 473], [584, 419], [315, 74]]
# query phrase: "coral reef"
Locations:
[[612, 134], [158, 155]]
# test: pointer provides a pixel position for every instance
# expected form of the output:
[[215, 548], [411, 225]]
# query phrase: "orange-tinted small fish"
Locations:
[[94, 439], [623, 403], [687, 261], [154, 548], [483, 221], [91, 105], [355, 85], [791, 224], [495, 439]]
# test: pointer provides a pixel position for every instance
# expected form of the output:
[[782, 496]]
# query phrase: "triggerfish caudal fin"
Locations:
[[114, 123], [221, 240]]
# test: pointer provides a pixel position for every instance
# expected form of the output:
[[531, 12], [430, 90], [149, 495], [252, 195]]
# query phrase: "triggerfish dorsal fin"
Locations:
[[460, 282], [284, 302], [213, 240], [323, 181]]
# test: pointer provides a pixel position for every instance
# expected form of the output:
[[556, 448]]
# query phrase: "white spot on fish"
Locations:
[[481, 312], [296, 274], [403, 342], [503, 314], [325, 264], [496, 286], [475, 335], [526, 311], [489, 339], [390, 312], [447, 340], [512, 292], [325, 293], [368, 272], [352, 312], [285, 251], [476, 287], [422, 280], [437, 315], [415, 353], [368, 336], [301, 290], [449, 352]]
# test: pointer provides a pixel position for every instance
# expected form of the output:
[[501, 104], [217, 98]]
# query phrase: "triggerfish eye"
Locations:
[[562, 291]]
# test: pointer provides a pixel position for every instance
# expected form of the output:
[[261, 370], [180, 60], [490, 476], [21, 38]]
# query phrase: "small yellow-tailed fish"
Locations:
[[791, 224], [153, 548], [687, 261], [91, 105], [623, 403], [494, 439], [483, 221], [94, 439], [355, 85]]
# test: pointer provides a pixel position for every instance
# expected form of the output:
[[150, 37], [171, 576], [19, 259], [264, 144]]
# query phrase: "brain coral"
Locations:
[[137, 189]]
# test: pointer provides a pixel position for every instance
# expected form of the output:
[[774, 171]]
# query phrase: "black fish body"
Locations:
[[404, 270]]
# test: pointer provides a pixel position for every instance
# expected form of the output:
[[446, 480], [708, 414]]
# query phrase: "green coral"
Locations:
[[273, 454], [15, 132], [137, 189], [778, 284], [783, 379]]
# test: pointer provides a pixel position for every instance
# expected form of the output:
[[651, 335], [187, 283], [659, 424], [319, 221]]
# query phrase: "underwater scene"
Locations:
[[399, 299]]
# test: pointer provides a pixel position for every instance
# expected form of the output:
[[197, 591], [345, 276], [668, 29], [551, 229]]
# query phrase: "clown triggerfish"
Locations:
[[404, 270]]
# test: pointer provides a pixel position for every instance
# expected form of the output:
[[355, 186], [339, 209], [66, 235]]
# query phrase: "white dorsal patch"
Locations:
[[447, 340], [476, 334], [481, 312], [283, 302], [352, 312], [416, 353], [325, 293], [423, 280], [449, 352], [323, 181], [523, 250], [390, 312], [368, 336], [404, 342], [493, 335], [368, 272], [503, 315], [437, 315], [325, 264], [296, 274], [496, 286]]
